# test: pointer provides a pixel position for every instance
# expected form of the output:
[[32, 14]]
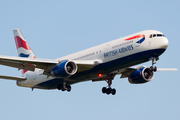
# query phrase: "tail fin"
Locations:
[[22, 46]]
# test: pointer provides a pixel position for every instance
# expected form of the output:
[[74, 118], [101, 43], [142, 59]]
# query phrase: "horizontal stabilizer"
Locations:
[[167, 69], [13, 78]]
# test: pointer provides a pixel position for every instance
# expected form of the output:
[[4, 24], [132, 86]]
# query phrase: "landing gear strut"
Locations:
[[108, 89], [154, 68]]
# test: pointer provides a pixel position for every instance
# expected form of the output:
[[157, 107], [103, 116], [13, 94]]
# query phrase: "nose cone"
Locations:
[[164, 43]]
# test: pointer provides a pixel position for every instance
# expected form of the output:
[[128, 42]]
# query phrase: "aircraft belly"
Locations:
[[50, 84]]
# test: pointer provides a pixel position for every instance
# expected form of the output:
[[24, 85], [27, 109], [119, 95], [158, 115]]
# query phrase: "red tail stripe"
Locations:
[[24, 71], [21, 43]]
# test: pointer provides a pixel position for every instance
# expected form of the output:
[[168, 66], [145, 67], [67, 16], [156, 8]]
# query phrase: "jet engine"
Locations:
[[64, 69], [141, 75]]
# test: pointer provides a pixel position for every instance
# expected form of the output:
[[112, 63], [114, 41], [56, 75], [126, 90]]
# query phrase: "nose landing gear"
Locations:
[[154, 68]]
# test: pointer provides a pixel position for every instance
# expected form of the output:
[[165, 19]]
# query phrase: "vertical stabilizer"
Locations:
[[22, 46]]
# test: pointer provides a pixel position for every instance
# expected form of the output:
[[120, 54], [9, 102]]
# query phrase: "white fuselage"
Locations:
[[107, 53]]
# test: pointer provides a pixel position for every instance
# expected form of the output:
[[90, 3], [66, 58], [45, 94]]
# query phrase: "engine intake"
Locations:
[[141, 75], [64, 69]]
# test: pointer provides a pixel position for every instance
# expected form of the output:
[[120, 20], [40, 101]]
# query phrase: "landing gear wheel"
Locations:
[[153, 68], [64, 86], [59, 87], [68, 88], [104, 90], [113, 91], [63, 89], [108, 91]]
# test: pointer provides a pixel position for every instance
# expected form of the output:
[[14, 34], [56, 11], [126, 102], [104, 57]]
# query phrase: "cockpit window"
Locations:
[[156, 35], [159, 35]]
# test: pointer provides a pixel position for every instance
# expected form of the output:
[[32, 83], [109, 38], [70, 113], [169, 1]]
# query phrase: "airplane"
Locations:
[[100, 63]]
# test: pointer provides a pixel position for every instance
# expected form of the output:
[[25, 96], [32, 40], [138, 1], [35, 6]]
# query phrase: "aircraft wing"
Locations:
[[46, 64], [12, 78], [26, 63], [126, 72], [167, 69], [84, 65]]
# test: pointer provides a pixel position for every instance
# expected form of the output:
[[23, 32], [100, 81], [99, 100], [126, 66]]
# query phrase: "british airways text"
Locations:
[[118, 51]]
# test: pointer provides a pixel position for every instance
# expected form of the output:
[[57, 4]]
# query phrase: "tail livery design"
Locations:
[[22, 46]]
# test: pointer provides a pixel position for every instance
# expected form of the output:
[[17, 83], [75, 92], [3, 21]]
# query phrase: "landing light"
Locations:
[[100, 75]]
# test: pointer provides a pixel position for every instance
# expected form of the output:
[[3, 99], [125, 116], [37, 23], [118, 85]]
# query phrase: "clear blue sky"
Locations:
[[57, 28]]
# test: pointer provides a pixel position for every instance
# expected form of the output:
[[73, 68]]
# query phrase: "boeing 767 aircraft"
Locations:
[[99, 63]]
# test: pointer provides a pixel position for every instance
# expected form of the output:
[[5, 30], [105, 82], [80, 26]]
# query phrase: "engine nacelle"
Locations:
[[141, 75], [64, 69]]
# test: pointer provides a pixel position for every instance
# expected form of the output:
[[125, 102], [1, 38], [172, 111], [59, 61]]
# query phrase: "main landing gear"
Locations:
[[154, 68], [64, 86], [108, 89]]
